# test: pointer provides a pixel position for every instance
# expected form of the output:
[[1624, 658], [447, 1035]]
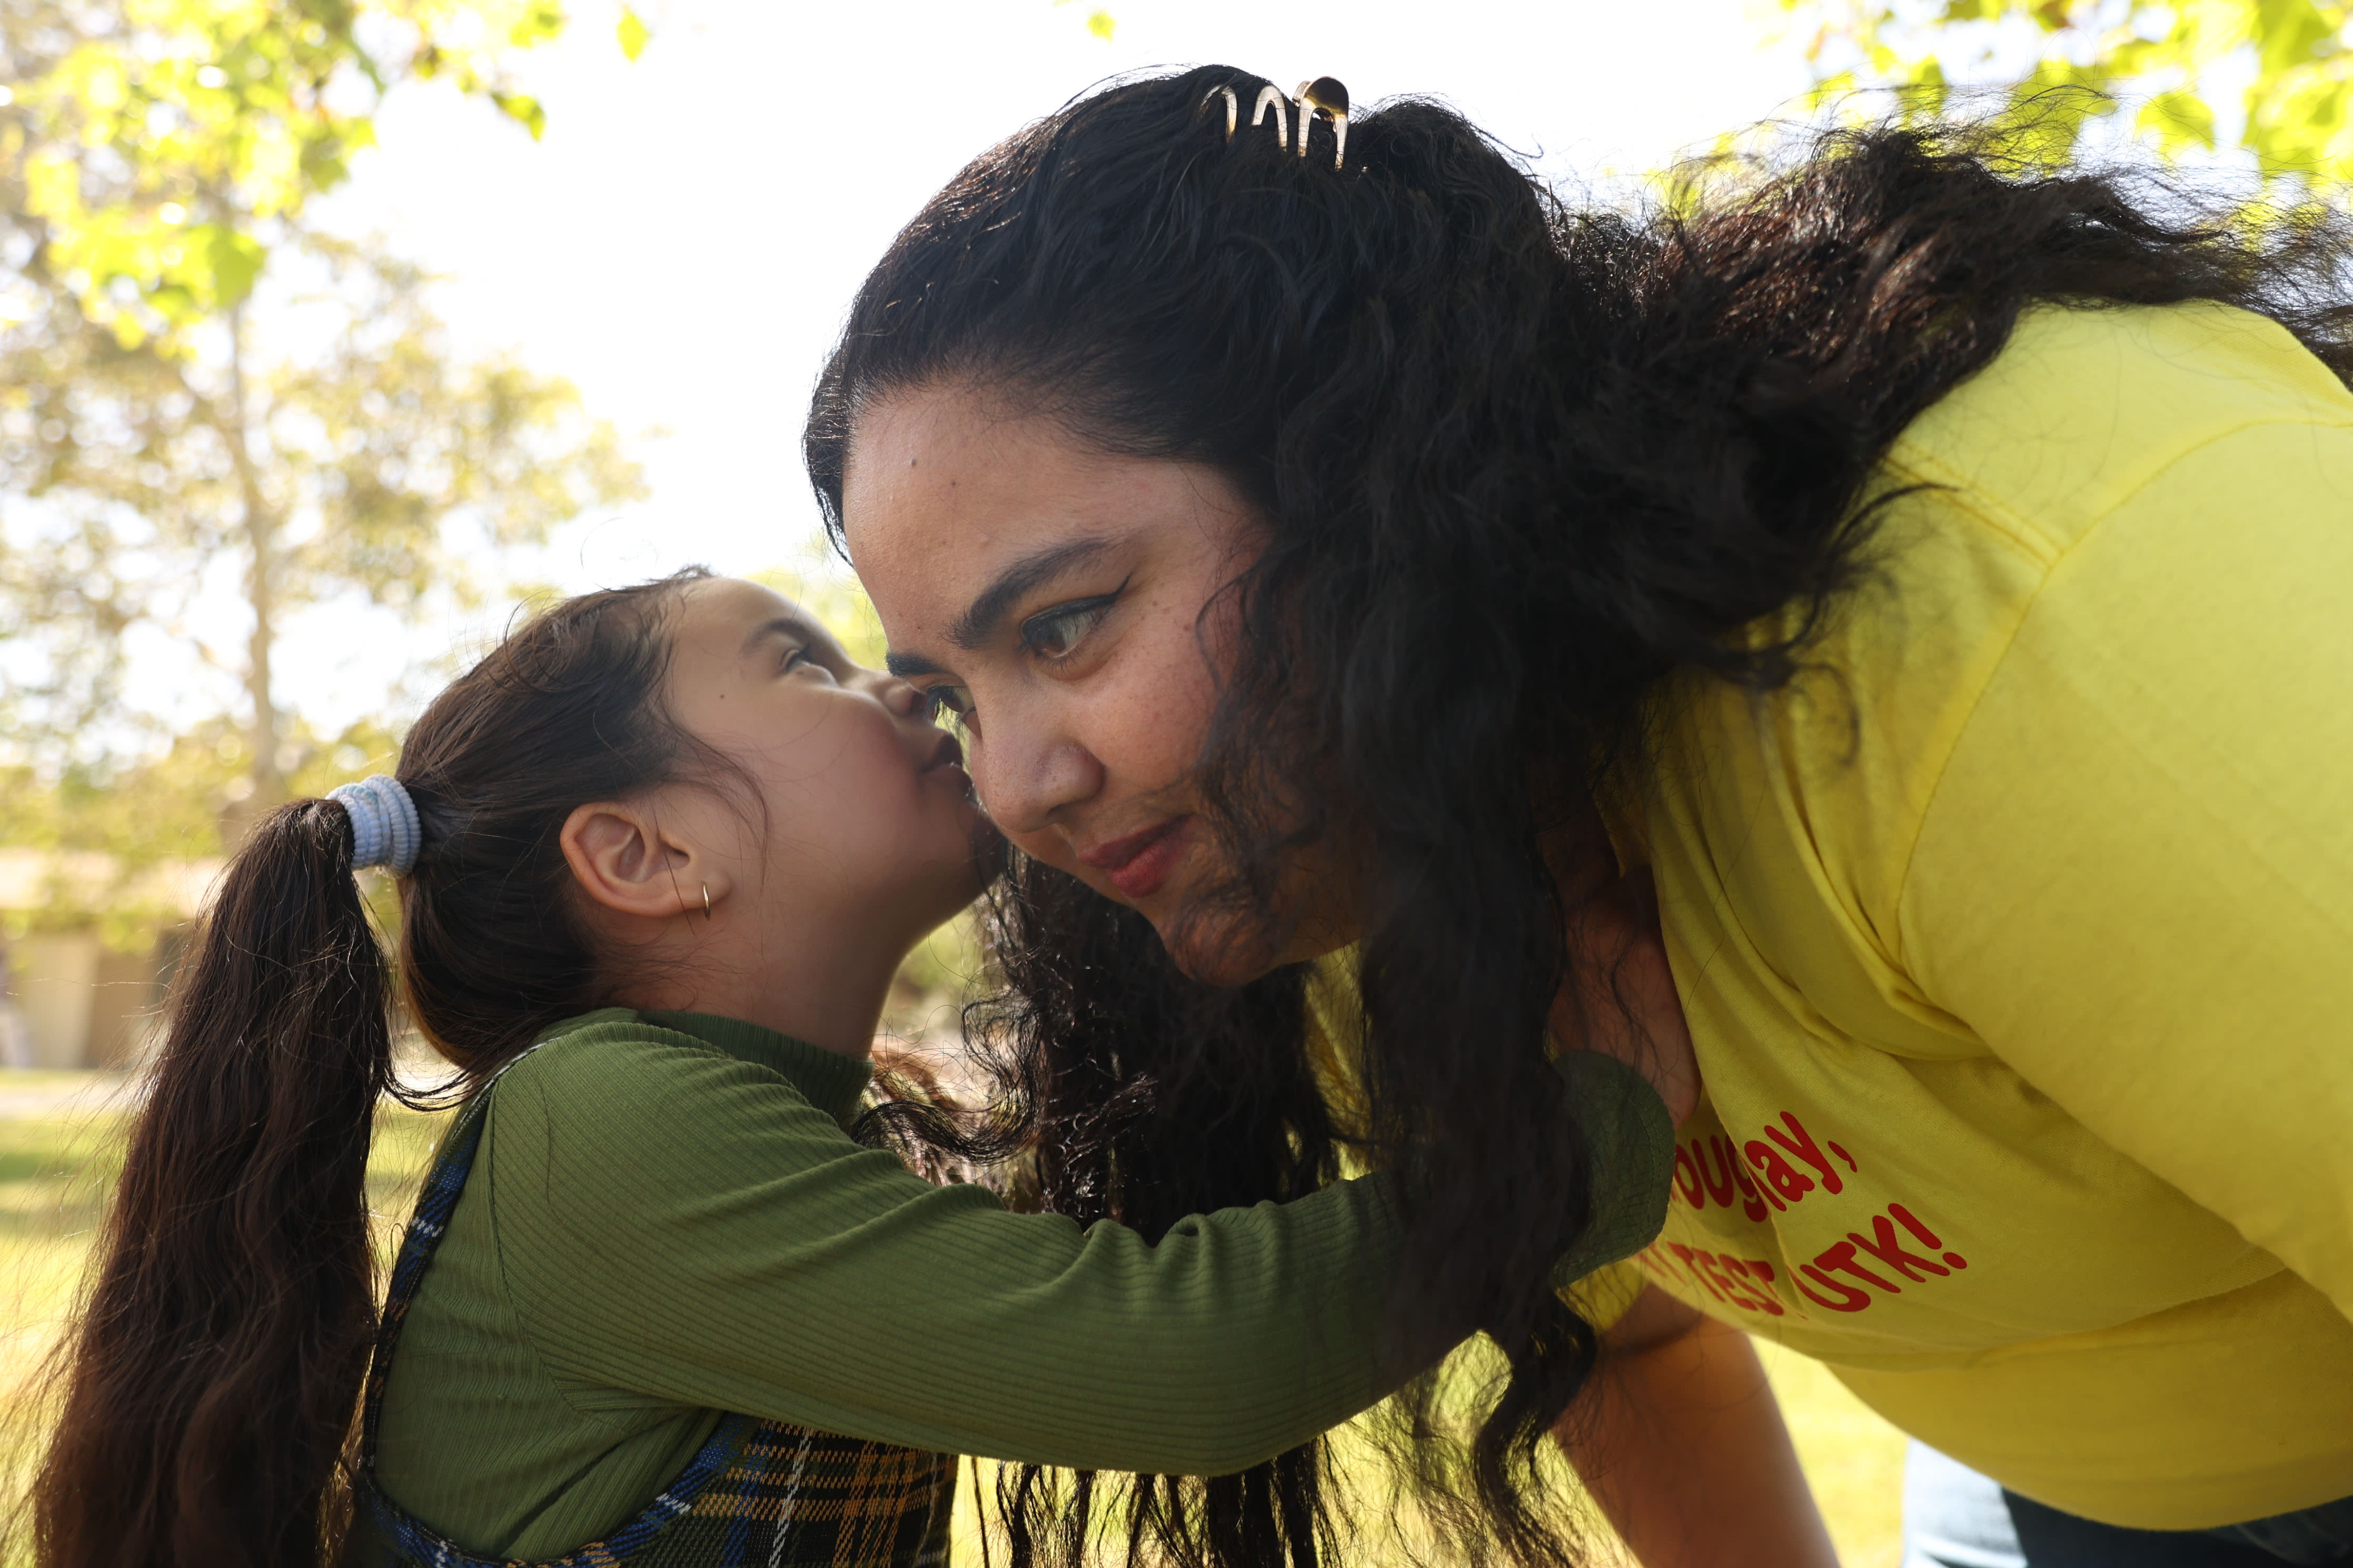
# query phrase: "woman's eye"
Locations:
[[1056, 634]]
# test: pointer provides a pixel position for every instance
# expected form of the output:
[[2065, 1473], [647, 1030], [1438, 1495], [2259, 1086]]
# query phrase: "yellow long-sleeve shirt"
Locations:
[[2017, 939]]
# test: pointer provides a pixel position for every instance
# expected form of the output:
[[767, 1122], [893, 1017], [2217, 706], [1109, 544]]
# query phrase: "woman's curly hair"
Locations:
[[1519, 461]]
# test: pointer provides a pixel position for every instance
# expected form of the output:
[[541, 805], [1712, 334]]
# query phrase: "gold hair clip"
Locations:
[[1233, 107], [1270, 97], [1325, 95]]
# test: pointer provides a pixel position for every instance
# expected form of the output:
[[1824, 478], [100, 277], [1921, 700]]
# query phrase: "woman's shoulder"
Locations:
[[2091, 421], [2063, 459], [2086, 405]]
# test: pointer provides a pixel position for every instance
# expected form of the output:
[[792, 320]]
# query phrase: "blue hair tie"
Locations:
[[384, 829]]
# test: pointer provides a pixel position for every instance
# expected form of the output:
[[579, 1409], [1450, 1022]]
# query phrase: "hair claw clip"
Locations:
[[1325, 95], [1270, 97], [1233, 107]]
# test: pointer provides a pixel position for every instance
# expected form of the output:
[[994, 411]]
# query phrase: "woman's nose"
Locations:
[[1027, 788]]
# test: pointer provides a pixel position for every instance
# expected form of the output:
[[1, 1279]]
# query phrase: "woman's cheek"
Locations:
[[1047, 849], [1147, 726]]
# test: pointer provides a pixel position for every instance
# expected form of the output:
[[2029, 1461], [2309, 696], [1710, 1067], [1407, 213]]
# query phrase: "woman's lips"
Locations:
[[1138, 864]]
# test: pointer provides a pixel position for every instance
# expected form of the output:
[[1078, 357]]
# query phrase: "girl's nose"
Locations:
[[899, 697]]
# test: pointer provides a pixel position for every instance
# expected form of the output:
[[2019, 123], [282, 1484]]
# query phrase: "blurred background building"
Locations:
[[86, 994]]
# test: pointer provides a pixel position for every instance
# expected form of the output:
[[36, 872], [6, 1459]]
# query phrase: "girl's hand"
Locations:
[[1619, 997]]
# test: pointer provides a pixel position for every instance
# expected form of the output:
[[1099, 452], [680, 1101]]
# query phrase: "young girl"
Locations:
[[659, 855]]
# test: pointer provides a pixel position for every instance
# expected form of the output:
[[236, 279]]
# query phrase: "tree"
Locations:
[[2173, 59], [163, 145], [156, 159]]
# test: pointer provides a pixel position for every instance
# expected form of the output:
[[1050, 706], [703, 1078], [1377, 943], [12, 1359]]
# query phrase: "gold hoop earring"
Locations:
[[706, 900]]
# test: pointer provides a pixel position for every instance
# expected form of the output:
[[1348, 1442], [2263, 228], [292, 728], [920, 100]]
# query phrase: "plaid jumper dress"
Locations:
[[758, 1494]]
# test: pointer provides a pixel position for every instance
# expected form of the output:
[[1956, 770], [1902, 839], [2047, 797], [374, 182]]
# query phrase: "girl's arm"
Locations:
[[1681, 1442], [673, 1222]]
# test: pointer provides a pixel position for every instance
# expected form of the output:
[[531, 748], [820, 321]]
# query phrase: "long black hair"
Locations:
[[1519, 462], [210, 1388]]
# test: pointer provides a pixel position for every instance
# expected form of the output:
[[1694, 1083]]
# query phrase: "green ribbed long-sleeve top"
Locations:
[[666, 1220]]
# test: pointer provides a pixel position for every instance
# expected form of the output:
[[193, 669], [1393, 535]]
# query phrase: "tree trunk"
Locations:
[[261, 591]]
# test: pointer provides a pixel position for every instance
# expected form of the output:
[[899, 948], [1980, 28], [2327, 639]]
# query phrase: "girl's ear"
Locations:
[[622, 859]]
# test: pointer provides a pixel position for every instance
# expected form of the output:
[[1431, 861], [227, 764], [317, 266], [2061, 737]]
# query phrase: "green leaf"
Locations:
[[2289, 33], [2296, 124], [2136, 57], [524, 110], [541, 21], [52, 186], [2047, 111], [1925, 93], [1100, 21], [235, 262], [2180, 118], [632, 33]]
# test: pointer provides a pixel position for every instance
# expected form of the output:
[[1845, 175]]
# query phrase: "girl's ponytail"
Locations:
[[209, 1395]]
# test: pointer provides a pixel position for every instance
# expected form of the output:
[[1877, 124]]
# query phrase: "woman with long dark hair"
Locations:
[[659, 854], [1871, 648]]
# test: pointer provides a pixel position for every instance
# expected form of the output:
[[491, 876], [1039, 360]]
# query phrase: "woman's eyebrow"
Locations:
[[981, 618], [979, 621]]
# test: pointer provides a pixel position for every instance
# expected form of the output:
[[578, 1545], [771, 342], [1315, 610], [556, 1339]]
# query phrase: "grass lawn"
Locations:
[[59, 1148]]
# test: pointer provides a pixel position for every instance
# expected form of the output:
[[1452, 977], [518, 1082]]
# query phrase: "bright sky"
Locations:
[[682, 242]]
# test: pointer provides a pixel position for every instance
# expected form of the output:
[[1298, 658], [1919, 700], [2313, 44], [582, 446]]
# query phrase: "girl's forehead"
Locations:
[[722, 607], [723, 620], [716, 601]]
